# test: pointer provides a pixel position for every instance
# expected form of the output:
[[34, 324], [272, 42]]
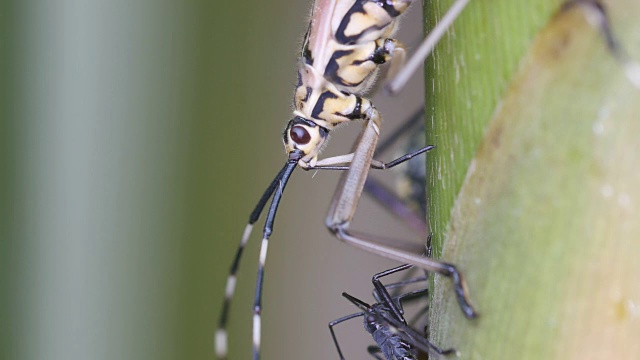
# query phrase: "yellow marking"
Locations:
[[372, 28], [356, 73], [374, 16]]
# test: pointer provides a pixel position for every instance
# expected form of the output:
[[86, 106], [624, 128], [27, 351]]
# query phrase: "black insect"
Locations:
[[385, 321]]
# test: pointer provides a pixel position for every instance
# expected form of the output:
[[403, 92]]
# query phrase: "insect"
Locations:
[[344, 45], [385, 320]]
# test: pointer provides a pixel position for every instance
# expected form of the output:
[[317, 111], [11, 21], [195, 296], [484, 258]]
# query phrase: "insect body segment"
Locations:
[[344, 45]]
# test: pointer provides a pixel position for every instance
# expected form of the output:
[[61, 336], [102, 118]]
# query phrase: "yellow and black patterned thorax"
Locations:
[[342, 49], [345, 43]]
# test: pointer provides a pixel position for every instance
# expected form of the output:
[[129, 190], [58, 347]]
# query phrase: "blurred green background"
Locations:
[[137, 136]]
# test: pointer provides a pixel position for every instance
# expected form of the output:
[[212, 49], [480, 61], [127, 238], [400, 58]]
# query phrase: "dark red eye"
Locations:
[[300, 135]]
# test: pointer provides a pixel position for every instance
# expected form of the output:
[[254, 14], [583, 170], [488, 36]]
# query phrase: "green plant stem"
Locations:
[[534, 187]]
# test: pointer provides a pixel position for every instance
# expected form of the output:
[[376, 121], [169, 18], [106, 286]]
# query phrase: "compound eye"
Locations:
[[300, 135]]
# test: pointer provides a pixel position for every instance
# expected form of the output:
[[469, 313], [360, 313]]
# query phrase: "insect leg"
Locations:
[[413, 337], [405, 282], [399, 299], [395, 303], [398, 58], [338, 321], [402, 297], [332, 163], [375, 164], [393, 203], [388, 198], [413, 121], [417, 59], [384, 294], [363, 241], [596, 15], [343, 207]]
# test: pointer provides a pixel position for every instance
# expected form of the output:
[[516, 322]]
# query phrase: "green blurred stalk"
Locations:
[[533, 189]]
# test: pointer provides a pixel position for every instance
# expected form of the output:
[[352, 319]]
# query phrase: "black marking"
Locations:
[[285, 134], [225, 314], [324, 132], [299, 80], [320, 103], [298, 103], [308, 94], [357, 110], [306, 52], [379, 55], [299, 120], [358, 7], [331, 71]]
